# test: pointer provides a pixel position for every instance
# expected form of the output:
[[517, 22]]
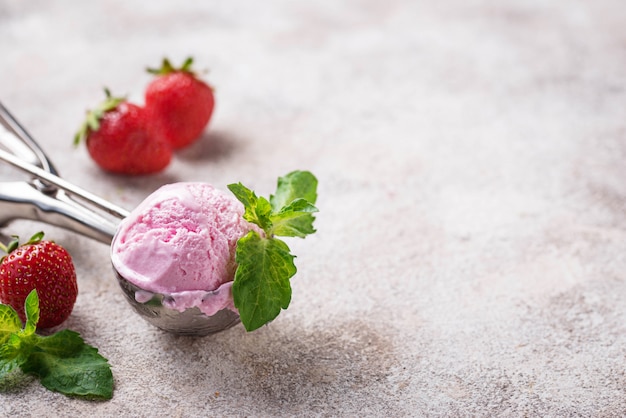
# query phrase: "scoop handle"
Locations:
[[70, 188], [22, 144], [23, 200], [48, 197]]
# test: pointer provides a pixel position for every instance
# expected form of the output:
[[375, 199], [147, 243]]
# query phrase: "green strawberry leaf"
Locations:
[[12, 245], [93, 117], [168, 68], [65, 363], [261, 287]]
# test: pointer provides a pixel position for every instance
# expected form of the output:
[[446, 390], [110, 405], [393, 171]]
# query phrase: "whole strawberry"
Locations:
[[179, 103], [41, 265], [120, 138]]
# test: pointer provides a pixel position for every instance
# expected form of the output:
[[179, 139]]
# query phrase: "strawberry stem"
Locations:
[[37, 237], [13, 244], [187, 65], [168, 68], [92, 120]]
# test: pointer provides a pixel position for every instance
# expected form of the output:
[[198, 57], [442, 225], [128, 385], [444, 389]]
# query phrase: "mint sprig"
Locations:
[[264, 263], [63, 361]]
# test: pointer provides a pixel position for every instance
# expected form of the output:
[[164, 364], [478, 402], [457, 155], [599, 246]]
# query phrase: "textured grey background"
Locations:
[[470, 259]]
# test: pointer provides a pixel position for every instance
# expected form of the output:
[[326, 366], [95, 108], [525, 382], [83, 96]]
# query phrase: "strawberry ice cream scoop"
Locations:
[[181, 242]]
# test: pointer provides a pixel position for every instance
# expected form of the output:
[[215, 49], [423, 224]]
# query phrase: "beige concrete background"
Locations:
[[470, 254]]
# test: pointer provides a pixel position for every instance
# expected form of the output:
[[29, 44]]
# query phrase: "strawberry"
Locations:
[[120, 138], [179, 103], [41, 265]]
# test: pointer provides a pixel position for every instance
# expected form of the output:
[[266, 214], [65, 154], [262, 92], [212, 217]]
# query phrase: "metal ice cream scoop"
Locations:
[[50, 199]]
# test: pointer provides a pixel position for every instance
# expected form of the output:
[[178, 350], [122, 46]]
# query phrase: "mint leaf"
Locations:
[[294, 220], [63, 361], [288, 212], [9, 323], [7, 366], [66, 364], [264, 263], [258, 209], [31, 307], [293, 205], [12, 355], [261, 287], [297, 184]]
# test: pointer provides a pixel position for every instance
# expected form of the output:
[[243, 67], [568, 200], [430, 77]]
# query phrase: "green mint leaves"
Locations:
[[63, 361], [261, 288], [265, 263]]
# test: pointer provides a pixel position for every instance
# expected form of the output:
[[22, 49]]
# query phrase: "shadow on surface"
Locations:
[[276, 365], [212, 146]]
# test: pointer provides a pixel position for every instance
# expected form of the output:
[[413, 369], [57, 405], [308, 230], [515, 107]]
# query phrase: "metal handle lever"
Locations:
[[64, 185], [22, 200], [22, 144], [49, 198]]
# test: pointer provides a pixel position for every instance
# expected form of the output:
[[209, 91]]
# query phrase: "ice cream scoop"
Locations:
[[173, 255], [181, 241]]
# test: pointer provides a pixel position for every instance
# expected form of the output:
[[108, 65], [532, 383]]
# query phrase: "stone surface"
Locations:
[[470, 254]]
